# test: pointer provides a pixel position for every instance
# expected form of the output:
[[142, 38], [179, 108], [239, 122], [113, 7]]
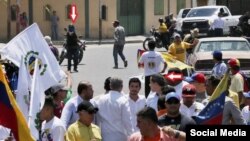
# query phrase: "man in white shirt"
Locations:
[[189, 106], [136, 102], [69, 115], [52, 127], [218, 25], [113, 116], [151, 61]]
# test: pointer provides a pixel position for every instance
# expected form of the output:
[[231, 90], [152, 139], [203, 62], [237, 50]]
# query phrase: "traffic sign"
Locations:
[[73, 13]]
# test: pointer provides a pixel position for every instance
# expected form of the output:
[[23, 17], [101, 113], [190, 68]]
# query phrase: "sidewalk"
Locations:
[[129, 39]]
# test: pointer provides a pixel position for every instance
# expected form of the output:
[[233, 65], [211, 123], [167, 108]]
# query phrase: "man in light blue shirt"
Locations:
[[220, 67]]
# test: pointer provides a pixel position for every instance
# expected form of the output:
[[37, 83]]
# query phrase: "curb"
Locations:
[[99, 42]]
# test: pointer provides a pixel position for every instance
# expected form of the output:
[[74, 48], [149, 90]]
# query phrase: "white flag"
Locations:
[[31, 45]]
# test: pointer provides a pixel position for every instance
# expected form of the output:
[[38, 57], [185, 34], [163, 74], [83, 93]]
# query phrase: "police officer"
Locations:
[[72, 47]]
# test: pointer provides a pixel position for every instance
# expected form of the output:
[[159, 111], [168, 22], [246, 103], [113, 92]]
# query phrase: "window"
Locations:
[[13, 12], [47, 12], [67, 14], [158, 7]]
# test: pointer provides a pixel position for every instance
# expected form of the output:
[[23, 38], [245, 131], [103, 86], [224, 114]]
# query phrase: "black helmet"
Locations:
[[161, 20], [71, 28]]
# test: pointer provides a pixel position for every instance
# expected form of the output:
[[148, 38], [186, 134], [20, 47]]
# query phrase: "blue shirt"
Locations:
[[219, 69]]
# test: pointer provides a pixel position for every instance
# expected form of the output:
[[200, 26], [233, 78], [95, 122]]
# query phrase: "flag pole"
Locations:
[[32, 100]]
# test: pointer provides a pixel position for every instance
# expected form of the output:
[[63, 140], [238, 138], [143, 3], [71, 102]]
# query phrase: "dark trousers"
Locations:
[[118, 49], [72, 54], [147, 87], [218, 32]]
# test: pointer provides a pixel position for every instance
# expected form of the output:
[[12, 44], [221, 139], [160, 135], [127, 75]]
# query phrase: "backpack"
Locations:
[[246, 82]]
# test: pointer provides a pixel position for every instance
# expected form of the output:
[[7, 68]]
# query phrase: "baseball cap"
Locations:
[[177, 35], [116, 21], [189, 90], [198, 77], [58, 87], [246, 94], [217, 54], [171, 95], [233, 62], [48, 39], [87, 106]]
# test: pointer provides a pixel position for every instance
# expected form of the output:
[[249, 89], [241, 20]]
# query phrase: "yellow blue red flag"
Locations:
[[10, 115], [213, 112]]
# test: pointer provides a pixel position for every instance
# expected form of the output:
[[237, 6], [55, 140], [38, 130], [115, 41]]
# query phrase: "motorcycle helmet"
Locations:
[[233, 62], [71, 28], [161, 20]]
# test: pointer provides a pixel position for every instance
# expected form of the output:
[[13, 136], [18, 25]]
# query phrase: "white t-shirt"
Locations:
[[246, 114], [53, 130], [152, 62], [193, 110]]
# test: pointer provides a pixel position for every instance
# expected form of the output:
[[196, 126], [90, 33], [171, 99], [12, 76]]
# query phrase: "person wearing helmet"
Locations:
[[237, 80], [220, 67], [72, 47], [163, 31], [52, 47]]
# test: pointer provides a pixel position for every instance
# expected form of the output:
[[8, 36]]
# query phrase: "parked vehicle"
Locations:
[[231, 47], [181, 15], [202, 17], [155, 35]]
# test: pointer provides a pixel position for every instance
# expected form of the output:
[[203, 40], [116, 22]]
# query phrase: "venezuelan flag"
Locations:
[[212, 114], [10, 114]]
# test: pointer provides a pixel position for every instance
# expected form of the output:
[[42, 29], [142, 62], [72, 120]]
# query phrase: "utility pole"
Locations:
[[100, 22], [8, 21]]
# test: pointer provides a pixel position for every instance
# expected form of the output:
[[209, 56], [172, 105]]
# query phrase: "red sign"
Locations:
[[73, 13], [173, 77]]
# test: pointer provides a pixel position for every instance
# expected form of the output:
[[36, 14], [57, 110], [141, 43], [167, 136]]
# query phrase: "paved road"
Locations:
[[97, 65]]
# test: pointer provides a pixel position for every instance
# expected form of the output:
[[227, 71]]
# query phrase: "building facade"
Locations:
[[94, 18]]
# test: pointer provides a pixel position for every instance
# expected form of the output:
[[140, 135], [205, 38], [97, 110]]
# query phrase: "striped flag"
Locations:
[[10, 114]]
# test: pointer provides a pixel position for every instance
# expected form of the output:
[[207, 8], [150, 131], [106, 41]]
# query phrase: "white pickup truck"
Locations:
[[202, 17]]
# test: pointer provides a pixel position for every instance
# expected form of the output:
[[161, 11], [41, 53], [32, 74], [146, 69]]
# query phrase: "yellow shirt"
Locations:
[[163, 28], [237, 83], [179, 51], [80, 132], [234, 97]]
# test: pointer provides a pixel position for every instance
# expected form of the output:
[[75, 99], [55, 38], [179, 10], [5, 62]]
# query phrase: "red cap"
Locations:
[[189, 90], [198, 77], [233, 62]]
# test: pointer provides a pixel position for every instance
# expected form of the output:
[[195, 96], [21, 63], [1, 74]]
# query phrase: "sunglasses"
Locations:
[[173, 101]]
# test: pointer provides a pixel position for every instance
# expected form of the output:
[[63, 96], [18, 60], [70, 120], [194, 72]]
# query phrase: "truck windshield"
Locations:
[[204, 12]]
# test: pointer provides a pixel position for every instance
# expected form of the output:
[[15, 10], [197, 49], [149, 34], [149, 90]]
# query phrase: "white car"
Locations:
[[231, 47]]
